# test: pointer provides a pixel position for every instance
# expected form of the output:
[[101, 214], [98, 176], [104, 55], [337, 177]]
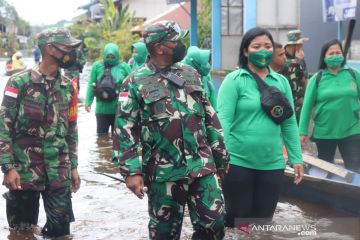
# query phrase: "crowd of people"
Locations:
[[222, 156]]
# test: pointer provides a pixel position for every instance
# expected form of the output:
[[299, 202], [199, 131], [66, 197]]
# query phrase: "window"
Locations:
[[231, 17]]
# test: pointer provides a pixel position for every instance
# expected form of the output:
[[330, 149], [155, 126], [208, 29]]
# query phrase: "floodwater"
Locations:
[[106, 210]]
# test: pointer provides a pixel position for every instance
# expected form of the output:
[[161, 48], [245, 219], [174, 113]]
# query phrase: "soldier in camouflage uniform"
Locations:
[[165, 110], [38, 138], [76, 69], [295, 68]]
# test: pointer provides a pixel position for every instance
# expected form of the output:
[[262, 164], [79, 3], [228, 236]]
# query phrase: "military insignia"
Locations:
[[123, 96], [11, 92], [353, 85]]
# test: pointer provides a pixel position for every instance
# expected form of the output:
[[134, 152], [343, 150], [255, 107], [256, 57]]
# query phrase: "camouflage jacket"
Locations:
[[296, 73], [178, 130], [38, 129]]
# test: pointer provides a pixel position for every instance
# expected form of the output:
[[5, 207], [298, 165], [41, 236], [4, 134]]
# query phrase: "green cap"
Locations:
[[57, 35], [164, 31], [294, 37]]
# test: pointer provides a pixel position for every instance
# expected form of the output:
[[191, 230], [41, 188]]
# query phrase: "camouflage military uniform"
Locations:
[[38, 137], [74, 72], [295, 71], [182, 146]]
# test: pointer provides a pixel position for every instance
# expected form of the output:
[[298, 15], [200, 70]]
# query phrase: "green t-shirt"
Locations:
[[251, 137], [336, 103]]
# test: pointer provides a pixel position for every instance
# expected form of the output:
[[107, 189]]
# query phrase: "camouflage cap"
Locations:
[[164, 31], [57, 35], [294, 37]]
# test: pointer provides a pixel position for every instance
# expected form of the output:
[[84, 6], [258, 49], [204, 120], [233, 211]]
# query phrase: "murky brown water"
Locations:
[[105, 210]]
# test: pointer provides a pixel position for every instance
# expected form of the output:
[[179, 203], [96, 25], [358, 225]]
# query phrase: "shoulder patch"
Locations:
[[11, 92], [123, 96]]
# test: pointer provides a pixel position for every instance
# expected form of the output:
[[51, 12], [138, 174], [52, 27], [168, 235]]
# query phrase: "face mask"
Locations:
[[138, 58], [260, 59], [110, 61], [178, 52], [334, 62], [67, 60], [203, 70]]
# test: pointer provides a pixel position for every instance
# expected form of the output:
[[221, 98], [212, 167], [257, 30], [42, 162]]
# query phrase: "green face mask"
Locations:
[[111, 62], [260, 59], [334, 62], [138, 58]]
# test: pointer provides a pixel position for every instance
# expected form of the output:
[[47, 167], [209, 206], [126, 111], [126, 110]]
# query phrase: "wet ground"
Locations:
[[105, 210]]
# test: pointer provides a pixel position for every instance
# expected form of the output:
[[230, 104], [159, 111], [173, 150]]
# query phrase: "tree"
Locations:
[[9, 16], [204, 18], [115, 27]]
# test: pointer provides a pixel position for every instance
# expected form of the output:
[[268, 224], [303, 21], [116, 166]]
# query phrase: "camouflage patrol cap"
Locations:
[[57, 35], [164, 31], [294, 37]]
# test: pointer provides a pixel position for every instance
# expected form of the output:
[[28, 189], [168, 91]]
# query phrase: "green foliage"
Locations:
[[204, 21], [8, 17], [115, 27]]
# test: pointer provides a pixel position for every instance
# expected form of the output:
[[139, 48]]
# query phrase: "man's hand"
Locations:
[[303, 140], [300, 54], [221, 172], [136, 184], [298, 173], [12, 180], [75, 180], [88, 108]]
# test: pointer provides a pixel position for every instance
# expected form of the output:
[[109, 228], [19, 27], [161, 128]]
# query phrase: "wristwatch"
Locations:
[[7, 167]]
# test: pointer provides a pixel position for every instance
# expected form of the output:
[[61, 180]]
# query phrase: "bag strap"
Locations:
[[319, 75], [262, 85], [351, 71], [318, 78]]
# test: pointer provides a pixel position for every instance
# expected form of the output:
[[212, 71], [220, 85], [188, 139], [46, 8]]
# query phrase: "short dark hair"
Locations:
[[246, 40], [324, 49], [278, 45]]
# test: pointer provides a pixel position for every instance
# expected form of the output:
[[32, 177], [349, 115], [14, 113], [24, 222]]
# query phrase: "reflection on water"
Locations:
[[106, 210]]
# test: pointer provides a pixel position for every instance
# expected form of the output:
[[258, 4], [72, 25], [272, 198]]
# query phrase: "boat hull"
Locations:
[[339, 195]]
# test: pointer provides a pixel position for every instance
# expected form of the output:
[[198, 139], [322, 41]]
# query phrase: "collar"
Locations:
[[38, 77], [156, 69], [345, 67], [272, 73]]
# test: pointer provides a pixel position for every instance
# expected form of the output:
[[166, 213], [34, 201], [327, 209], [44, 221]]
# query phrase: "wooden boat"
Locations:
[[13, 71], [327, 184]]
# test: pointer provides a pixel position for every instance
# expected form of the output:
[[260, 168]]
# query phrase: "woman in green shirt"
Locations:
[[335, 97], [252, 185], [200, 60], [105, 109]]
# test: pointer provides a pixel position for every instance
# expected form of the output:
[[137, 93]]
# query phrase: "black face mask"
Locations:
[[67, 60], [178, 52]]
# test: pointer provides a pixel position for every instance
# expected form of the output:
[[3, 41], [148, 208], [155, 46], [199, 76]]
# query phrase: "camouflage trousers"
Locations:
[[205, 203], [22, 210]]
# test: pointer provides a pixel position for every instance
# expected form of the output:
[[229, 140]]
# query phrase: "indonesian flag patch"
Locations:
[[11, 92], [123, 96]]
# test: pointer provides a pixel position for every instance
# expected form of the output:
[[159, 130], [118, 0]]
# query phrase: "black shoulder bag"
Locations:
[[106, 88], [273, 101]]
